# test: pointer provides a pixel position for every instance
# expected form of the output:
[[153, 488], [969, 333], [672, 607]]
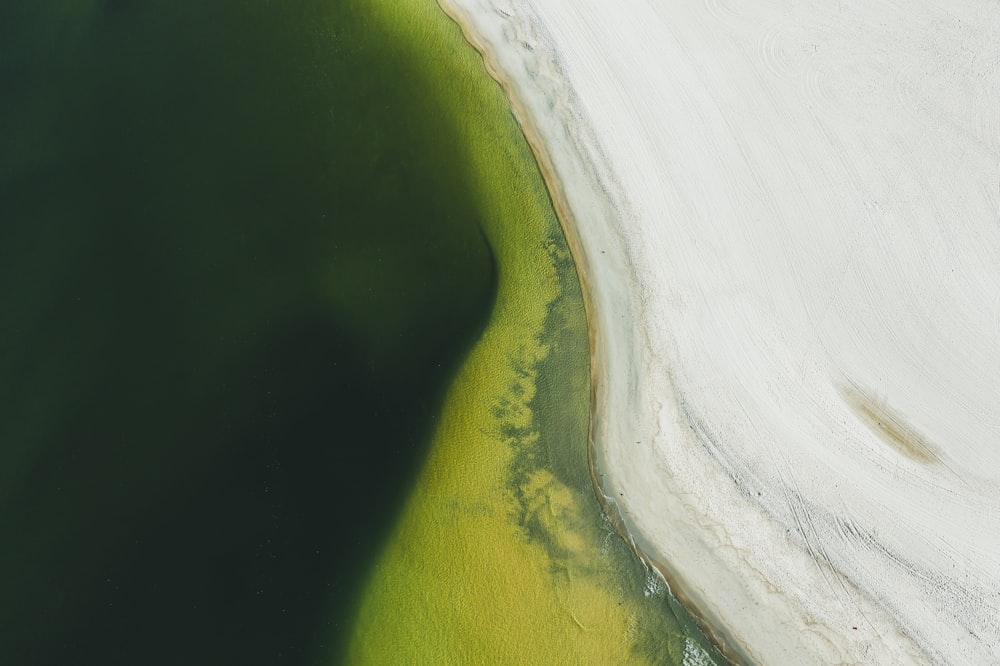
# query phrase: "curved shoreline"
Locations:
[[503, 528], [708, 625], [799, 537]]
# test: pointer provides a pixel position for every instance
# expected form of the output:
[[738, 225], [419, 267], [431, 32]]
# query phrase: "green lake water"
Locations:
[[238, 266], [245, 248]]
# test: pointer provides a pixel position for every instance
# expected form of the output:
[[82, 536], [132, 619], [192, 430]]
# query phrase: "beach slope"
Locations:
[[785, 216]]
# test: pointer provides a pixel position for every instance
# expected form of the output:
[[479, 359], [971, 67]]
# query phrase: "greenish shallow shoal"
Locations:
[[502, 553]]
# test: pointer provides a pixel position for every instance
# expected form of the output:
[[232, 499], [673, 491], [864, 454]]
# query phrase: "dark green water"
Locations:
[[237, 269]]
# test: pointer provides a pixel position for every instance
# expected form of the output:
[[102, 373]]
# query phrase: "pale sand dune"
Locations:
[[788, 218]]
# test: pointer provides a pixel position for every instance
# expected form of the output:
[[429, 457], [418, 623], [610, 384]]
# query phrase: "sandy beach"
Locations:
[[785, 217]]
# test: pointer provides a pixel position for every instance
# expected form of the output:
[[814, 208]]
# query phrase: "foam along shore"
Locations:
[[786, 219]]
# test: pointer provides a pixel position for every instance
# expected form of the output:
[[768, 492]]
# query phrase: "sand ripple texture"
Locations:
[[788, 219]]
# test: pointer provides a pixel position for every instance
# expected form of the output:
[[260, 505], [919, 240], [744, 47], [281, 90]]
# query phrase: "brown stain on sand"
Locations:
[[889, 424]]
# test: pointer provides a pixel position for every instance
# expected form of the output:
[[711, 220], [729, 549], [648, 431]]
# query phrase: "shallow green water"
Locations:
[[244, 249], [238, 265]]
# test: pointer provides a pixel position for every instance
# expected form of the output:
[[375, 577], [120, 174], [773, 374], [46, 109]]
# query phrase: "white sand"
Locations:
[[789, 220]]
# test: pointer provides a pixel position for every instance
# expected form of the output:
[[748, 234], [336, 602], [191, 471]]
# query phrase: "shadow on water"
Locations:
[[238, 267]]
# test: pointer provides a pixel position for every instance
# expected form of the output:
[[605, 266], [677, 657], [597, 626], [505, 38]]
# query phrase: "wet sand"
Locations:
[[765, 208]]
